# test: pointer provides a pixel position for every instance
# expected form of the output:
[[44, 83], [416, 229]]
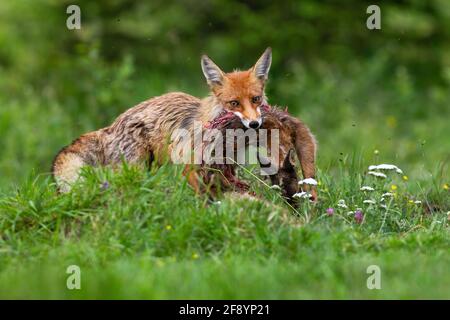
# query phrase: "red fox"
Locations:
[[142, 133]]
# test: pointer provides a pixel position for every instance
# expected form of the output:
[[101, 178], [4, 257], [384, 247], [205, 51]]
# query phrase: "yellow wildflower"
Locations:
[[445, 186], [394, 187], [168, 227], [405, 178]]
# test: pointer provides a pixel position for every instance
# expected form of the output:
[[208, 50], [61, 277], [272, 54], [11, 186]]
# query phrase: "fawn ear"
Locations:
[[262, 66], [213, 74], [289, 161]]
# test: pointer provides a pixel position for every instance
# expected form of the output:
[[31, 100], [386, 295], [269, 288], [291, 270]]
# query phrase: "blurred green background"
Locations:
[[359, 90], [370, 96]]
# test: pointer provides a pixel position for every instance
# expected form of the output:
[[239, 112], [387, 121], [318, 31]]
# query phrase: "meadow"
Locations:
[[139, 233]]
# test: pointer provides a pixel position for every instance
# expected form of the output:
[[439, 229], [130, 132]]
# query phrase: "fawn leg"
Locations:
[[305, 147]]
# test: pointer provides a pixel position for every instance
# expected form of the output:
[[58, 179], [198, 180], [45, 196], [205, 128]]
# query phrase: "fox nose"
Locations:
[[254, 124]]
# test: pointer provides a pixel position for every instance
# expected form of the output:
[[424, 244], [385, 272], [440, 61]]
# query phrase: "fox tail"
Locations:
[[84, 151]]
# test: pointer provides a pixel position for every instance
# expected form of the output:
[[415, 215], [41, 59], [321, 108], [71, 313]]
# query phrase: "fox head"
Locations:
[[240, 92]]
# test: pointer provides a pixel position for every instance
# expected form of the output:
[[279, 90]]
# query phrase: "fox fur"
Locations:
[[142, 133]]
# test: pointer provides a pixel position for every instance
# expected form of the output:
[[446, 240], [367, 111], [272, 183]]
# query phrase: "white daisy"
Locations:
[[310, 181], [369, 201], [302, 195], [341, 204], [377, 174], [386, 167], [366, 188]]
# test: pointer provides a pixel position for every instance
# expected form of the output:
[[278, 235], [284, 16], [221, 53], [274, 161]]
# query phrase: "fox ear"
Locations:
[[213, 74], [262, 66]]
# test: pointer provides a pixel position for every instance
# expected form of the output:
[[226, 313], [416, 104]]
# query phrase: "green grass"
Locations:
[[148, 236]]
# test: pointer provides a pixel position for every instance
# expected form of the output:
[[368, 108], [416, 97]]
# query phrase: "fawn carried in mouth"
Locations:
[[293, 139]]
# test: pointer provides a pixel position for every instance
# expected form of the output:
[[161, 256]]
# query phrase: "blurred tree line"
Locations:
[[166, 38]]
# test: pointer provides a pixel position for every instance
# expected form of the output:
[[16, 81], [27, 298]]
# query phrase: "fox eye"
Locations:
[[234, 103], [256, 99]]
